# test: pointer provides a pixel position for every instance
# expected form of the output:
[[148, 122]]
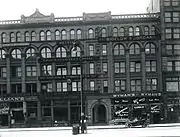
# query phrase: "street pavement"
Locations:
[[123, 132]]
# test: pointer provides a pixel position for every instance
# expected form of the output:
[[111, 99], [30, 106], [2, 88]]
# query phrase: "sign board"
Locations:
[[11, 99], [136, 94], [155, 108]]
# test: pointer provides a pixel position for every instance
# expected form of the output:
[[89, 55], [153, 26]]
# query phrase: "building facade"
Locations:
[[111, 66]]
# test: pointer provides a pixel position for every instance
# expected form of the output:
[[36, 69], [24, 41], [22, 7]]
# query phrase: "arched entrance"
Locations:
[[99, 114]]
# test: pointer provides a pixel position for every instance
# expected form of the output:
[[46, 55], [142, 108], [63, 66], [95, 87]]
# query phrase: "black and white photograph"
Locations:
[[90, 68]]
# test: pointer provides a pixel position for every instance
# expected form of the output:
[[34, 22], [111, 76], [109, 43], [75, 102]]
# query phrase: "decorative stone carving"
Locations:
[[37, 17], [97, 16]]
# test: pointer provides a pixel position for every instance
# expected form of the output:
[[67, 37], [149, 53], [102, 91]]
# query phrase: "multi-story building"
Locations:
[[104, 65]]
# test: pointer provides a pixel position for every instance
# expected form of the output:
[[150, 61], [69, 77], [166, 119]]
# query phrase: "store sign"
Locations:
[[11, 99], [122, 111], [31, 98], [136, 94], [155, 109], [4, 108]]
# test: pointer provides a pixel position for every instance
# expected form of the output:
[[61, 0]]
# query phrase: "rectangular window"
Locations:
[[120, 85], [136, 85], [169, 66], [173, 49], [76, 70], [3, 72], [176, 33], [104, 51], [175, 16], [175, 2], [173, 84], [47, 70], [91, 50], [150, 66], [31, 71], [61, 71], [120, 67], [46, 87], [31, 87], [105, 86], [3, 89], [177, 65], [61, 86], [167, 2], [76, 86], [16, 71], [105, 67], [91, 68], [16, 88], [92, 85], [167, 16], [151, 84], [135, 66], [168, 33]]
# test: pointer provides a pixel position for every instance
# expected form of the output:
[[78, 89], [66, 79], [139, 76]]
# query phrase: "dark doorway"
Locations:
[[99, 114], [4, 120], [156, 118]]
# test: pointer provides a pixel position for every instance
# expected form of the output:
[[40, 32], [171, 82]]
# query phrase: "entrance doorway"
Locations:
[[99, 114]]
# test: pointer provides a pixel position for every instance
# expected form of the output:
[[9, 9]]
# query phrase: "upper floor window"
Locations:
[[104, 49], [72, 34], [137, 31], [48, 35], [119, 49], [3, 37], [2, 54], [92, 85], [31, 71], [135, 85], [153, 30], [150, 48], [76, 52], [134, 49], [151, 84], [167, 16], [173, 84], [103, 32], [18, 36], [46, 87], [91, 68], [76, 86], [3, 72], [46, 70], [151, 66], [57, 35], [90, 33], [30, 52], [76, 70], [61, 87], [173, 65], [27, 36], [120, 85], [168, 33], [173, 49], [61, 71], [171, 2], [121, 32], [12, 37], [61, 52], [16, 71], [42, 36], [91, 50], [16, 54], [176, 16], [79, 34], [175, 2], [105, 67], [131, 31], [33, 36], [146, 30], [176, 33], [46, 52], [120, 67], [115, 32], [135, 66], [63, 34]]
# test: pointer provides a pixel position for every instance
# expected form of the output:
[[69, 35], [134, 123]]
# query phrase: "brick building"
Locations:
[[126, 64]]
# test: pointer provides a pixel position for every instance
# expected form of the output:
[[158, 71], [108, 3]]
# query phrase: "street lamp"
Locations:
[[75, 46]]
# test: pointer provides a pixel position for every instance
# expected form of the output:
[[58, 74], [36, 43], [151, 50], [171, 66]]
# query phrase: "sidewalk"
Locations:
[[89, 127]]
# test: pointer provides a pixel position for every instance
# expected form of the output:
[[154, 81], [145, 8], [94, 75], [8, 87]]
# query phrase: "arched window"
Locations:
[[104, 32], [134, 49], [79, 34], [150, 48], [27, 37], [146, 30], [16, 54], [61, 52], [63, 34], [57, 35], [121, 32], [119, 49], [153, 30], [48, 35], [12, 37], [46, 52], [137, 31], [42, 36], [115, 32], [18, 36], [33, 36], [131, 31], [72, 34], [30, 52], [90, 33], [3, 37], [76, 52], [2, 54]]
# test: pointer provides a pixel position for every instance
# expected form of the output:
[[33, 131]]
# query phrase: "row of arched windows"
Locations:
[[60, 52], [74, 34]]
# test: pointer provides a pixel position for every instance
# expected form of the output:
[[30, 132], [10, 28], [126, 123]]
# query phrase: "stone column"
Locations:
[[23, 73], [38, 110], [110, 69], [53, 74], [143, 61], [128, 80], [69, 111], [52, 111], [24, 107], [8, 67]]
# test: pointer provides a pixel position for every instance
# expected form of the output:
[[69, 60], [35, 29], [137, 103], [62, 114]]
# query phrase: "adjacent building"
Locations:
[[113, 66]]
